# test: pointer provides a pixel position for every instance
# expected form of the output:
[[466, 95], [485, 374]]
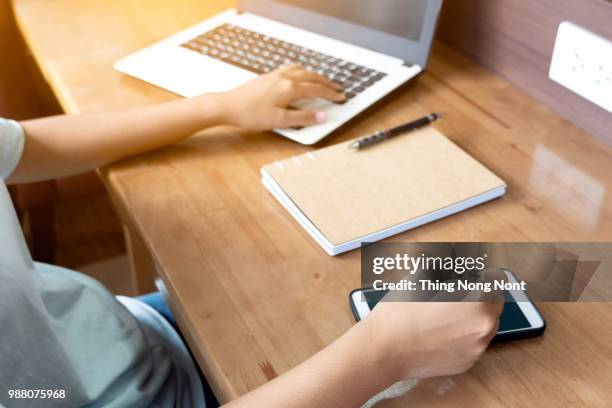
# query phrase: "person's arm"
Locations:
[[345, 374], [68, 144], [396, 341]]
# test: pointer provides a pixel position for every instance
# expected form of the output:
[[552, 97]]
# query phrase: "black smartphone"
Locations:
[[520, 318]]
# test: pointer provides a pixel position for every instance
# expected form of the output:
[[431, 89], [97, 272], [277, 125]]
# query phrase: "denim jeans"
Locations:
[[157, 302]]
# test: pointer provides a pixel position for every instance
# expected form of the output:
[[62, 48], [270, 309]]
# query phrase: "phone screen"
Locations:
[[512, 317]]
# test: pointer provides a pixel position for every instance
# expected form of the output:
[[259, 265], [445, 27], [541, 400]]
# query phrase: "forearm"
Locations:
[[345, 374], [63, 145]]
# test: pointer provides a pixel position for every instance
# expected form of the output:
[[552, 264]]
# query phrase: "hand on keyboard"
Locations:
[[264, 103], [260, 54]]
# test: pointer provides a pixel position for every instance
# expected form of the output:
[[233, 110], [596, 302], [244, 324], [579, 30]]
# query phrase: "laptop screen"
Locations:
[[399, 28], [403, 18]]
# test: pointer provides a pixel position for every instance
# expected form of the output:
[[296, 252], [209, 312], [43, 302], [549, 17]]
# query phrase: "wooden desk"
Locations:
[[251, 290]]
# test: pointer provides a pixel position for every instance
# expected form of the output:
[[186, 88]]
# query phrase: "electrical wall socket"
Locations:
[[582, 62]]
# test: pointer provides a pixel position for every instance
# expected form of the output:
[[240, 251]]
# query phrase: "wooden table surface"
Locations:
[[252, 291]]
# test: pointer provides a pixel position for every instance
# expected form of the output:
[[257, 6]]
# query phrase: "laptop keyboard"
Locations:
[[260, 54]]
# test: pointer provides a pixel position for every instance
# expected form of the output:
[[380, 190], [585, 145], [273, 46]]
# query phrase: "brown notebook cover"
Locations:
[[349, 195]]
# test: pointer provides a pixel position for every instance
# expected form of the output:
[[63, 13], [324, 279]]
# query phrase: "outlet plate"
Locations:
[[582, 62]]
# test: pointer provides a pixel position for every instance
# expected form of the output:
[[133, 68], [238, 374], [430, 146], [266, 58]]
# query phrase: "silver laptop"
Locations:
[[369, 47]]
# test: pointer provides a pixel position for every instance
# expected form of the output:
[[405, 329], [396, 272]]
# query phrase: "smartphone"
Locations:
[[520, 318]]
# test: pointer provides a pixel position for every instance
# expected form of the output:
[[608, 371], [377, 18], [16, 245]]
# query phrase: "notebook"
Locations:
[[344, 197]]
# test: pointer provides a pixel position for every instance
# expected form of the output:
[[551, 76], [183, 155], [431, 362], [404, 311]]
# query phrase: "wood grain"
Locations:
[[253, 294], [18, 98], [142, 268], [515, 38]]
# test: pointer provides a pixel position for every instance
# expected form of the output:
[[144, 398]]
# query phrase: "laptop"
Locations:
[[369, 47]]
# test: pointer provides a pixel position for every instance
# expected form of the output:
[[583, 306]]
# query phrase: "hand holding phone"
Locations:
[[426, 339], [520, 317], [433, 339]]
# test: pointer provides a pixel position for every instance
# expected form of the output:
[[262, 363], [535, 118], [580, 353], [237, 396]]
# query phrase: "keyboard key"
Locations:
[[260, 54]]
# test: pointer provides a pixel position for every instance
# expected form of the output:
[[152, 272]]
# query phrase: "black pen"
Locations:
[[389, 133]]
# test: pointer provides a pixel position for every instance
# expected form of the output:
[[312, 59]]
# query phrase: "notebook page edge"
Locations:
[[424, 219], [277, 192]]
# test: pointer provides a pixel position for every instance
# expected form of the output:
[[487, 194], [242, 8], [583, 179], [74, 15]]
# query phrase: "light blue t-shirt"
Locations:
[[63, 331]]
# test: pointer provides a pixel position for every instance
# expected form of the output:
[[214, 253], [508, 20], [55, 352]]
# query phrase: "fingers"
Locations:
[[296, 117], [492, 331], [293, 83], [492, 311], [288, 68], [309, 90], [497, 305], [491, 276], [302, 84], [302, 75]]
